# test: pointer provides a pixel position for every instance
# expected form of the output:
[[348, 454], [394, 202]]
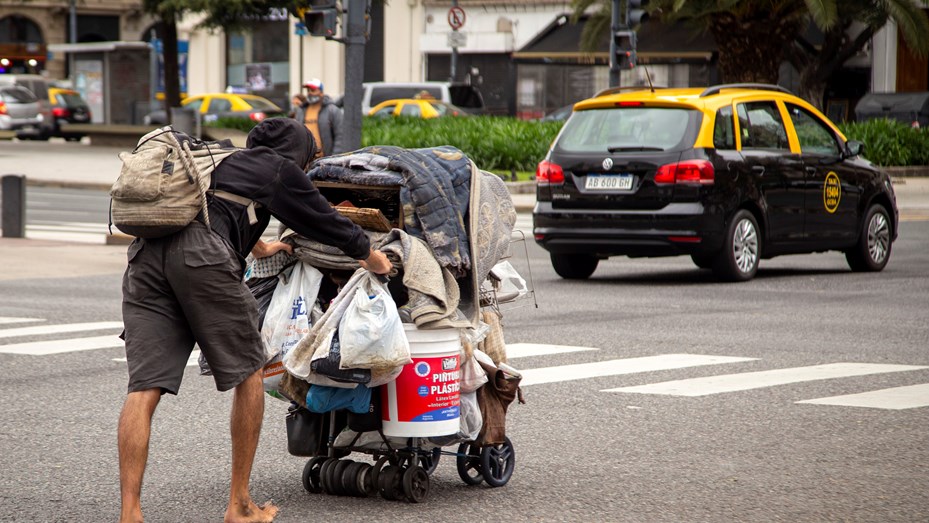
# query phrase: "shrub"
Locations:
[[890, 142]]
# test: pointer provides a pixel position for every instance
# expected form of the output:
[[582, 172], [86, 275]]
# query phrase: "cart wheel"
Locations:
[[324, 474], [497, 463], [375, 474], [416, 484], [364, 481], [469, 463], [349, 479], [335, 476], [430, 461], [311, 474], [389, 483]]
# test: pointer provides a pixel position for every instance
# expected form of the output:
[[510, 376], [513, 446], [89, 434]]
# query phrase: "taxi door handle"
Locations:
[[811, 170], [758, 169]]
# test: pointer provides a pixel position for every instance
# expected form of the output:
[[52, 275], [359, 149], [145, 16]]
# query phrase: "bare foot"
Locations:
[[251, 514]]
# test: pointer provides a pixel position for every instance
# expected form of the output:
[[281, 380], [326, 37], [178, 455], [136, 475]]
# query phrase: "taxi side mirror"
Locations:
[[853, 148]]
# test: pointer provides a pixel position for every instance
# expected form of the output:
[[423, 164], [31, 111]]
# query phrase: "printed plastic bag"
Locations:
[[370, 331], [288, 316]]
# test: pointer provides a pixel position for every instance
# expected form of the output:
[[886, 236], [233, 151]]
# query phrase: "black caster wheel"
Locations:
[[416, 484], [374, 476], [430, 461], [390, 483], [469, 463], [497, 463], [335, 476], [311, 474], [324, 474], [364, 481], [350, 479]]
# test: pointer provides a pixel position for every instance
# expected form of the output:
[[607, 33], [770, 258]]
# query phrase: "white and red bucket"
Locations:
[[424, 400]]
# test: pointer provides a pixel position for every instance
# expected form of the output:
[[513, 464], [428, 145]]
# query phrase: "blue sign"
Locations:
[[182, 48]]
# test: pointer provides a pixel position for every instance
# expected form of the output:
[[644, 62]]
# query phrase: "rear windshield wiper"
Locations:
[[626, 148]]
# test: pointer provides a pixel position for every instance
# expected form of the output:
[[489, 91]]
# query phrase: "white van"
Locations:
[[464, 96], [38, 85]]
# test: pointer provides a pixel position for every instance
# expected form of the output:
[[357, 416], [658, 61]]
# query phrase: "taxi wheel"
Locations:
[[738, 261], [574, 266], [872, 251]]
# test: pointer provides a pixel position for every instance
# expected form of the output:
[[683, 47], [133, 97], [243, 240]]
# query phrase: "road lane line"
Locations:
[[525, 350], [60, 328], [897, 398], [8, 320], [620, 367], [44, 348], [768, 378]]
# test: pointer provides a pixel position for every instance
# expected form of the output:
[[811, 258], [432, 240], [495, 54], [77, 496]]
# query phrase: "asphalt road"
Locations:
[[585, 452]]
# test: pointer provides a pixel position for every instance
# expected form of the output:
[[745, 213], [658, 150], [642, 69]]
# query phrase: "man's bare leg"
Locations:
[[245, 425], [135, 427]]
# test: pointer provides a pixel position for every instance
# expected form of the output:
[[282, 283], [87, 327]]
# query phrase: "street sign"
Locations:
[[456, 39], [456, 17]]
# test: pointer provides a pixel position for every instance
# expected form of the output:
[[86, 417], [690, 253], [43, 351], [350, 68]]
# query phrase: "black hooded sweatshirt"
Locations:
[[270, 172]]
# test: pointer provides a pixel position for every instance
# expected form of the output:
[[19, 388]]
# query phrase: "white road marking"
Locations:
[[44, 348], [623, 366], [8, 320], [897, 398], [525, 350], [769, 378], [58, 329]]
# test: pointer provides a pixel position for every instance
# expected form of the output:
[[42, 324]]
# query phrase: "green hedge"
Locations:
[[495, 143], [889, 142]]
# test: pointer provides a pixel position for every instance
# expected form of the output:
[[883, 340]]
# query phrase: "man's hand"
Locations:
[[376, 262], [264, 249]]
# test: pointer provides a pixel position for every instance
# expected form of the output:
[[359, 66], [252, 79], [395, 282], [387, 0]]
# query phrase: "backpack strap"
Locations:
[[251, 205]]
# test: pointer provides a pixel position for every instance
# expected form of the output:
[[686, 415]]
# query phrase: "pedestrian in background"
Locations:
[[188, 288], [296, 103], [322, 117]]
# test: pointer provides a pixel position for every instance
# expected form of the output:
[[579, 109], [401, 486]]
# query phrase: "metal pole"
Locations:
[[13, 214], [615, 25], [354, 74], [453, 73], [72, 38]]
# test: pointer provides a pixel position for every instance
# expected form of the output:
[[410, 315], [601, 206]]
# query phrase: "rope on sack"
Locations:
[[187, 158]]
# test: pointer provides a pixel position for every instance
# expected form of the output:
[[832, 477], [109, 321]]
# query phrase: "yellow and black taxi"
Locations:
[[729, 175]]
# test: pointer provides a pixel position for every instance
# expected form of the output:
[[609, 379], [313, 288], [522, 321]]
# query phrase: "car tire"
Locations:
[[703, 261], [574, 266], [738, 260], [872, 251]]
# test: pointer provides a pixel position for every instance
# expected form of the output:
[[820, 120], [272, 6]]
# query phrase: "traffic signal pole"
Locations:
[[616, 23], [354, 40]]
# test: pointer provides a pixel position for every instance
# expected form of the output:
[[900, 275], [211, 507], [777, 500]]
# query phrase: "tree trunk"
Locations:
[[169, 50], [751, 49]]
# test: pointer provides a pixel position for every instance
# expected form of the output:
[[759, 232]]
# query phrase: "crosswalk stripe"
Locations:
[[897, 398], [44, 348], [525, 350], [620, 367], [8, 320], [58, 329], [768, 378]]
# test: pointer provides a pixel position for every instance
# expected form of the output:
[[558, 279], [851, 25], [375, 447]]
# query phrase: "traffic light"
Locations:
[[635, 12], [321, 17], [623, 47]]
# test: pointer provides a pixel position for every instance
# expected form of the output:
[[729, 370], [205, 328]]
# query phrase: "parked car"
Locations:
[[20, 111], [38, 86], [416, 108], [67, 107], [558, 115], [465, 96], [728, 175], [221, 105]]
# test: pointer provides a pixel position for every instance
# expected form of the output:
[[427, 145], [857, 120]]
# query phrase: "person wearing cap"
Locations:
[[188, 288], [322, 117]]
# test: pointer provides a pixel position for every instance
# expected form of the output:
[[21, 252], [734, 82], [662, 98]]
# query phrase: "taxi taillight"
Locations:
[[258, 116], [2, 108], [548, 173], [689, 171]]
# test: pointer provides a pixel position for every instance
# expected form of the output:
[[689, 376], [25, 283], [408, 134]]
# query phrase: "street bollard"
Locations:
[[13, 217]]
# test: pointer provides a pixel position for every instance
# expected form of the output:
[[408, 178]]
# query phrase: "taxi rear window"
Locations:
[[629, 129]]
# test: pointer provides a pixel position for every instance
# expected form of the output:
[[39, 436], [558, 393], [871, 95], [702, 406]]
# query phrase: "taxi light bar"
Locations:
[[689, 171], [548, 173]]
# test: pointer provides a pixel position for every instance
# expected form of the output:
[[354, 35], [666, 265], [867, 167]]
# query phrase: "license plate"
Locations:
[[608, 182], [81, 117]]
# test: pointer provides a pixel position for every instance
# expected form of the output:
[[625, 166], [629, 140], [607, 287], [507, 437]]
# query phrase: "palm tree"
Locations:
[[755, 36]]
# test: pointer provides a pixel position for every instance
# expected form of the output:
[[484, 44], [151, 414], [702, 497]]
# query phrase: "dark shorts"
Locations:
[[182, 289]]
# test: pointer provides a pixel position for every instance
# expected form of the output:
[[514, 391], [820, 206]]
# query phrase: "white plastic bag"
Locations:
[[370, 331], [288, 317]]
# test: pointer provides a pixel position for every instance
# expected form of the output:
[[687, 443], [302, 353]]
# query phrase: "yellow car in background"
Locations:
[[416, 108], [67, 107], [221, 105]]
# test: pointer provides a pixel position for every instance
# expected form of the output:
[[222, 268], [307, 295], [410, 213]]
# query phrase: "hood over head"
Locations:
[[286, 137]]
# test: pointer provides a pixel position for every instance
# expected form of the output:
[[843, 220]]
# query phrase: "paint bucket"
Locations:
[[424, 399]]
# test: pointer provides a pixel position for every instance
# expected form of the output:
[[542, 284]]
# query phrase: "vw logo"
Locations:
[[607, 164]]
